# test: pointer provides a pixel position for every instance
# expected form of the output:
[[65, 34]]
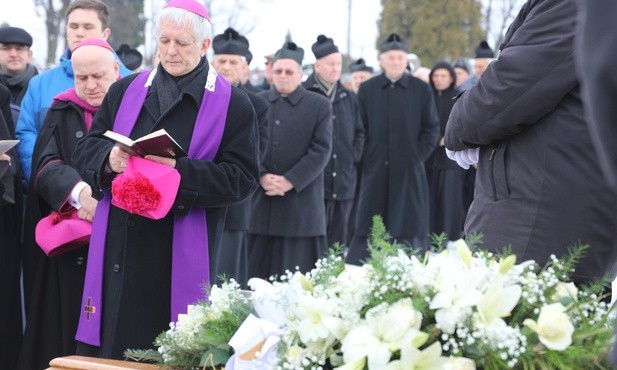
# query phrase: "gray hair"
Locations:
[[202, 29]]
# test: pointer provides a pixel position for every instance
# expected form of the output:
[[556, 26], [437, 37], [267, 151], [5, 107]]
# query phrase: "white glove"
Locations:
[[464, 158]]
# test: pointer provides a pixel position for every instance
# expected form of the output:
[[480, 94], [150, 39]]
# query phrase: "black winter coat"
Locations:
[[539, 187], [299, 147], [402, 129], [137, 267], [237, 217], [341, 174], [53, 285]]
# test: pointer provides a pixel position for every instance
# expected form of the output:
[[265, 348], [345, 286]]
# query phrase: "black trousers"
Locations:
[[337, 219]]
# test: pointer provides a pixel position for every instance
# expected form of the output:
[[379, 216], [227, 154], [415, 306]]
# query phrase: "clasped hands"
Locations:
[[275, 185], [118, 159]]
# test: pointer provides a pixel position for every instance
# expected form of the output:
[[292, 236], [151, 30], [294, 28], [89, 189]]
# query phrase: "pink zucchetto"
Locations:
[[189, 5], [94, 42]]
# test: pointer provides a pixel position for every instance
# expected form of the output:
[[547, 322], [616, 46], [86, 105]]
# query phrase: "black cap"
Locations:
[[290, 51], [360, 65], [131, 58], [15, 35], [462, 64], [484, 51], [393, 42], [323, 47], [230, 42]]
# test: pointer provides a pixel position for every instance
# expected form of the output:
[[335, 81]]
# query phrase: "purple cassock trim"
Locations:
[[190, 262]]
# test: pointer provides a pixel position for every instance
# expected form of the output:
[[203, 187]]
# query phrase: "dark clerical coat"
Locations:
[[10, 230], [53, 284], [137, 261], [299, 146], [402, 128]]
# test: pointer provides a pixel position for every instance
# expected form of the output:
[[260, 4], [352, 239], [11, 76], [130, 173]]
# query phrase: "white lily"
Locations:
[[415, 359], [383, 332], [357, 364], [498, 301], [316, 319], [457, 291]]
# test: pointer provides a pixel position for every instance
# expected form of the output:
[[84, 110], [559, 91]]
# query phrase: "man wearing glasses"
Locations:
[[287, 225]]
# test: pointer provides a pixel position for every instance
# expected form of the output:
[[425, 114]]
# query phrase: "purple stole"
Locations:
[[190, 261]]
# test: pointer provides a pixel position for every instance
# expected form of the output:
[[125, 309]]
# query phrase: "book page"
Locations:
[[119, 138], [6, 145]]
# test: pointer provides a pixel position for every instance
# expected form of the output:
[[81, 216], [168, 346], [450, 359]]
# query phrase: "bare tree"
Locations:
[[498, 14], [54, 19]]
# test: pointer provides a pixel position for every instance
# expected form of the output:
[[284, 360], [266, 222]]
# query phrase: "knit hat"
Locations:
[[190, 6], [484, 51], [290, 51], [15, 35], [131, 58], [360, 65], [393, 42], [323, 47], [462, 64], [230, 42]]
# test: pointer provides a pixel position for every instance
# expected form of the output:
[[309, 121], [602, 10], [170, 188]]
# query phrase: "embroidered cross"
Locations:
[[89, 309]]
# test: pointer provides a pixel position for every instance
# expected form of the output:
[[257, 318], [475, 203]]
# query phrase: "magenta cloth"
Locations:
[[57, 233], [94, 42], [190, 260], [70, 95], [163, 180], [189, 5]]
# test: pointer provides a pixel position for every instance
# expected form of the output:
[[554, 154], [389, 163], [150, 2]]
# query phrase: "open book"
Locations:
[[155, 143], [6, 145]]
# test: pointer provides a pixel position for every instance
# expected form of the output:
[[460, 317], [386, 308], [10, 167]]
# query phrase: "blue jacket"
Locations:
[[37, 100]]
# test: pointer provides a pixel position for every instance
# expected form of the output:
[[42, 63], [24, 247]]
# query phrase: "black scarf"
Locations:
[[19, 80], [169, 88]]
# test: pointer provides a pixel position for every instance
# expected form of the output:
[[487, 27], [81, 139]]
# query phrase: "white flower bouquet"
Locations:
[[457, 308]]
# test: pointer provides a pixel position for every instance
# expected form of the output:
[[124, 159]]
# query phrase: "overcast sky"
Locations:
[[268, 21]]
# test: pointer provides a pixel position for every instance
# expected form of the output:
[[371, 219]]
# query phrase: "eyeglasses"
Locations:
[[287, 72]]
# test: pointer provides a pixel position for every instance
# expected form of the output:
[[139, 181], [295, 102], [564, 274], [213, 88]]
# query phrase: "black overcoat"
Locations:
[[10, 231], [238, 215], [299, 146], [539, 187], [341, 173], [137, 269], [55, 284], [402, 128]]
